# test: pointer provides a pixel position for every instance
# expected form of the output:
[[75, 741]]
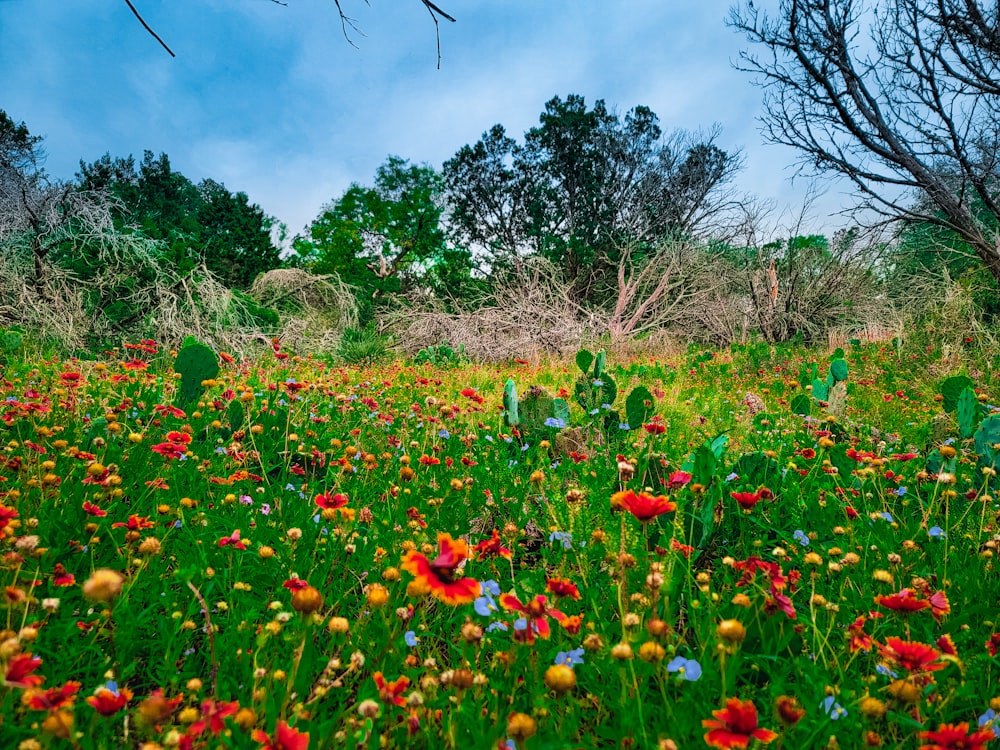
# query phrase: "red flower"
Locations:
[[562, 587], [860, 641], [678, 479], [213, 715], [684, 549], [169, 450], [655, 428], [993, 644], [19, 671], [747, 500], [642, 505], [60, 577], [107, 702], [227, 358], [285, 738], [326, 500], [171, 410], [536, 612], [176, 436], [438, 576], [391, 692], [911, 656], [492, 547], [295, 584], [134, 523], [955, 737], [54, 698], [93, 510], [947, 645], [904, 600], [429, 460], [233, 540], [735, 725]]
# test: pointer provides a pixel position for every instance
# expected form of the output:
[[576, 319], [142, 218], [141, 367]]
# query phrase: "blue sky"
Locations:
[[272, 101]]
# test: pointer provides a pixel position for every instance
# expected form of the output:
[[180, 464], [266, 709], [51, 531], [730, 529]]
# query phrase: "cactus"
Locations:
[[801, 405], [195, 363], [951, 388], [838, 370], [987, 440], [584, 359], [636, 409], [968, 412], [534, 408], [510, 404]]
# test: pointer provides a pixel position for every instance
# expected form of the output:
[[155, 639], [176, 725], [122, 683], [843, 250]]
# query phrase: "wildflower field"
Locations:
[[783, 547]]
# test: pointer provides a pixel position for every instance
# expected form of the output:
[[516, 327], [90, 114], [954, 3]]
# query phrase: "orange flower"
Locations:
[[642, 505], [955, 736], [54, 698], [334, 501], [911, 656], [903, 601], [438, 576], [735, 725], [109, 702], [562, 587], [537, 612], [285, 738], [492, 546], [391, 692]]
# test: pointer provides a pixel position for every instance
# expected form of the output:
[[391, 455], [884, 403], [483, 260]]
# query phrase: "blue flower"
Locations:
[[900, 491], [936, 532], [489, 587], [555, 422], [833, 709], [689, 668], [510, 745], [496, 625], [570, 658], [112, 686], [598, 383], [732, 476], [887, 516], [800, 537], [485, 605], [989, 719], [884, 670], [444, 434], [411, 638], [520, 624], [562, 536], [624, 426]]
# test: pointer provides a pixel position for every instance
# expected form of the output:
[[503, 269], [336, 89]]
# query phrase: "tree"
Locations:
[[387, 239], [584, 184], [198, 224], [902, 99]]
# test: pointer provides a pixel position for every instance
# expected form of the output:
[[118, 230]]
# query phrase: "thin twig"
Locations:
[[211, 638], [146, 26]]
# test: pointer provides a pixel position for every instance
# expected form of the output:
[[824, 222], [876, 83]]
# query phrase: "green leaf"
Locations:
[[584, 359], [636, 411], [802, 405], [968, 412]]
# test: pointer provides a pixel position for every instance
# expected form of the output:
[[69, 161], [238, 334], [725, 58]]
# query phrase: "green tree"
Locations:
[[584, 184], [203, 223], [387, 239]]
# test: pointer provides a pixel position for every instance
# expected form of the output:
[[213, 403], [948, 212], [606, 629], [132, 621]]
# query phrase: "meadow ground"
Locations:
[[751, 547]]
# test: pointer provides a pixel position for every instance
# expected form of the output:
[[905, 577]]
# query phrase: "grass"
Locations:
[[310, 550]]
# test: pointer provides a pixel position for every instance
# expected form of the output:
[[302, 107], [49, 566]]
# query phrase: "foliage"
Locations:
[[190, 575], [363, 346]]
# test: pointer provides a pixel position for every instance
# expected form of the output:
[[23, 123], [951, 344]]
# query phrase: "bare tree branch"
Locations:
[[147, 28]]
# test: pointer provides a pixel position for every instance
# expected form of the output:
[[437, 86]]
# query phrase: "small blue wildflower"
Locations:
[[525, 447], [606, 407], [489, 587], [555, 422], [936, 532], [598, 383], [592, 412], [732, 476], [833, 709], [624, 426], [884, 670], [570, 658], [510, 745], [989, 719], [485, 606], [489, 438], [496, 625], [511, 463], [177, 525], [112, 686], [900, 491], [290, 487], [316, 518], [411, 638], [800, 537], [442, 433], [520, 624], [562, 536], [220, 451], [949, 441], [887, 516], [689, 668]]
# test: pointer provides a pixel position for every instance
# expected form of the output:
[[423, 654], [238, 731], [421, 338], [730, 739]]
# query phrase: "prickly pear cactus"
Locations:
[[988, 442], [968, 412], [510, 415], [195, 363], [636, 409], [534, 408], [951, 389]]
